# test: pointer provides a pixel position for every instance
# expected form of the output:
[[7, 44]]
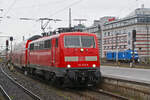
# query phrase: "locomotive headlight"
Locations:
[[68, 66], [81, 49], [94, 65]]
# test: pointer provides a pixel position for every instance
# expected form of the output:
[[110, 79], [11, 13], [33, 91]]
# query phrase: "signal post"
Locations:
[[133, 47]]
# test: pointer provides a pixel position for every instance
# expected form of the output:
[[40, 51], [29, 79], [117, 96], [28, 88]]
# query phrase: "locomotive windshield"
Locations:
[[79, 42]]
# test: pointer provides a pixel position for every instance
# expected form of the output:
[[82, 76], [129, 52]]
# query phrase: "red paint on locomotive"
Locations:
[[56, 55], [74, 55]]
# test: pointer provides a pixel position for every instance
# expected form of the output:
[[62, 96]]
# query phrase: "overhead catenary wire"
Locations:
[[38, 5], [54, 13], [10, 7], [57, 11], [68, 6]]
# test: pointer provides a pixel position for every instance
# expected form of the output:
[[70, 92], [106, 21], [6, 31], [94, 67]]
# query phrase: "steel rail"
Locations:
[[110, 94], [6, 96], [34, 96], [101, 92]]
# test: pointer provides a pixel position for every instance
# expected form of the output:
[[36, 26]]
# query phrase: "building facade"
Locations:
[[117, 34]]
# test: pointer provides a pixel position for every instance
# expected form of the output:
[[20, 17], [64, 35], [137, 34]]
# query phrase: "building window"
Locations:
[[128, 42], [41, 45], [36, 46], [104, 34], [119, 32], [104, 42], [108, 33], [129, 34], [32, 46], [110, 40], [114, 40], [124, 31], [112, 33], [125, 46]]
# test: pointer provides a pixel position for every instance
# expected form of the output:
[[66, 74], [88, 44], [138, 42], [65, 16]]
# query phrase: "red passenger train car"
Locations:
[[67, 57], [19, 54]]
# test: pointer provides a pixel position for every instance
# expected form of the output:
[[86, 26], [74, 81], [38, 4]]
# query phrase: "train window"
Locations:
[[72, 41], [79, 41], [88, 41], [32, 46], [56, 44], [41, 45], [47, 44], [36, 46]]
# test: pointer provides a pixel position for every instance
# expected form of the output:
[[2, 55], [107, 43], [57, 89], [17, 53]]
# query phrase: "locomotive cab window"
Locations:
[[72, 41], [88, 41], [79, 42]]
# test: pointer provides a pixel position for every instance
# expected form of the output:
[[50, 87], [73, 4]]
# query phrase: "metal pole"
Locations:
[[117, 48], [133, 46], [100, 31], [112, 42], [11, 51], [70, 18], [117, 56]]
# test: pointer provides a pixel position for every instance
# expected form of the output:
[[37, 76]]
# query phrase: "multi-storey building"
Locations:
[[117, 34]]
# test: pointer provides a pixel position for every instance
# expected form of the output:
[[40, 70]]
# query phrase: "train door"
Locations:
[[54, 51]]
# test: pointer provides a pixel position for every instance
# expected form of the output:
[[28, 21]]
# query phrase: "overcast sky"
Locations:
[[58, 9]]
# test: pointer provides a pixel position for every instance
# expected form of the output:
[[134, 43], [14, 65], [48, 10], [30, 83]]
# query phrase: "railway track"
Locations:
[[4, 94], [88, 94], [94, 94], [14, 90], [112, 95]]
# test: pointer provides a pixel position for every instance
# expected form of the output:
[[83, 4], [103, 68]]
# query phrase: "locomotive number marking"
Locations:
[[83, 65]]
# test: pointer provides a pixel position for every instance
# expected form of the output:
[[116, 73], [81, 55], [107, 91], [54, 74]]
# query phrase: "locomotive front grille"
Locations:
[[90, 58], [83, 58], [73, 58]]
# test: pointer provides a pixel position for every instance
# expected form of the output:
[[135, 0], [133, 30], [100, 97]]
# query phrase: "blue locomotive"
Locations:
[[124, 56]]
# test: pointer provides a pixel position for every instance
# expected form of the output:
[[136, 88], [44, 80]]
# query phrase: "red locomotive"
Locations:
[[67, 57]]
